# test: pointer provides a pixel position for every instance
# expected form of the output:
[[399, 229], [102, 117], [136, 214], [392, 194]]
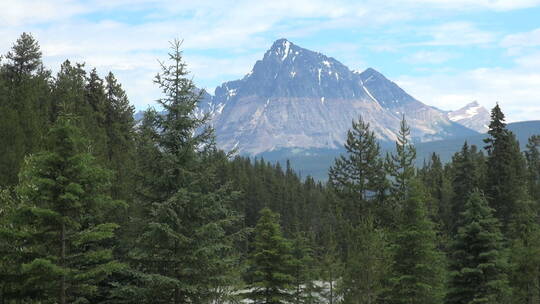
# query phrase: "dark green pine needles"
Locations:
[[478, 262], [271, 263]]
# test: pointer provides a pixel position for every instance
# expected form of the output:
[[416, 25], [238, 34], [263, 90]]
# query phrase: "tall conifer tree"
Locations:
[[359, 175], [417, 273], [271, 263], [478, 262], [185, 249], [506, 174], [401, 164], [63, 219]]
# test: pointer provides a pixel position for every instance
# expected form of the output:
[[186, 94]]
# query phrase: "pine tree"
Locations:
[[185, 250], [401, 164], [24, 57], [532, 155], [478, 262], [63, 219], [467, 175], [418, 267], [119, 125], [506, 174], [303, 270], [330, 267], [364, 279], [359, 176], [271, 262], [95, 100], [25, 104], [439, 187], [11, 279]]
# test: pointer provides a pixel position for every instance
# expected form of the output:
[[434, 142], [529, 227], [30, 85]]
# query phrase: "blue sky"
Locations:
[[446, 53]]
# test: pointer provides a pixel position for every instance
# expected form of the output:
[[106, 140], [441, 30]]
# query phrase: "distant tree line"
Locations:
[[98, 208]]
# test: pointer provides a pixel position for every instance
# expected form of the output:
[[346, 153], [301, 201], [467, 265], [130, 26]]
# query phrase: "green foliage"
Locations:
[[304, 270], [367, 265], [182, 234], [506, 173], [359, 176], [400, 166], [532, 155], [185, 248], [24, 104], [478, 260], [63, 220], [271, 262], [468, 174], [417, 274]]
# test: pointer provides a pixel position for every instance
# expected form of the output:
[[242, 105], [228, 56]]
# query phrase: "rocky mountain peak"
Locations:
[[473, 116], [297, 98]]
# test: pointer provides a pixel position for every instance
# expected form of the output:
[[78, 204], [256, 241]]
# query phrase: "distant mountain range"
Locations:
[[472, 116], [299, 104], [315, 162], [297, 98]]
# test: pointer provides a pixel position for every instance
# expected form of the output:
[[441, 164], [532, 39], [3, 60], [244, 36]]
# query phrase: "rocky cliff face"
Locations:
[[473, 116], [295, 97]]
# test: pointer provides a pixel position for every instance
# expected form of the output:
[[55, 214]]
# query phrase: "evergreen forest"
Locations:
[[96, 207]]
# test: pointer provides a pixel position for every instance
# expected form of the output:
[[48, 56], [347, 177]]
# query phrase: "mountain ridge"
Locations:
[[295, 97], [298, 98]]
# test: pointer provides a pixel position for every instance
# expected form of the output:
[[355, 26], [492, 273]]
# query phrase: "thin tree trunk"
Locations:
[[63, 263]]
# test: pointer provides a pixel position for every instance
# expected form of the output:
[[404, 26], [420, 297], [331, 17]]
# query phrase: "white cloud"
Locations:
[[231, 35], [458, 33], [519, 42], [496, 5], [515, 89], [430, 57]]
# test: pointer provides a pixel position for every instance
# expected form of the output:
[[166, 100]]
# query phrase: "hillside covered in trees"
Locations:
[[96, 208]]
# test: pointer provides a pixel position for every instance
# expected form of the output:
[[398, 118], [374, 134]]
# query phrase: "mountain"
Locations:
[[297, 98], [315, 162], [473, 116]]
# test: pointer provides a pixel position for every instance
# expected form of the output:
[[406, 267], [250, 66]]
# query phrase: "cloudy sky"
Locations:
[[446, 53]]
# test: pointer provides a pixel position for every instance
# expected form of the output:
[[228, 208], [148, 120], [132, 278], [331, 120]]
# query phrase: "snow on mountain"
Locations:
[[295, 97], [473, 116]]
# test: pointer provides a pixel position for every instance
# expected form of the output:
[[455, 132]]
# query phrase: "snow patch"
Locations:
[[369, 94], [468, 113], [326, 63], [287, 48], [219, 108]]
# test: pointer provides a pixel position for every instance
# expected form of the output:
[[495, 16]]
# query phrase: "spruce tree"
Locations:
[[303, 270], [330, 267], [25, 104], [467, 175], [271, 262], [417, 272], [478, 261], [438, 184], [95, 99], [11, 241], [506, 173], [366, 268], [63, 220], [119, 125], [532, 155], [400, 165], [185, 249]]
